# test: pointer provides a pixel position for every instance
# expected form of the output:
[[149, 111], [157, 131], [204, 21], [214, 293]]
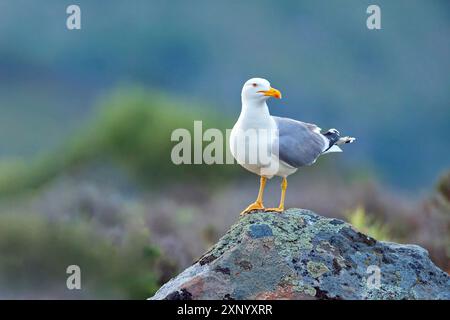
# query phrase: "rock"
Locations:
[[301, 255]]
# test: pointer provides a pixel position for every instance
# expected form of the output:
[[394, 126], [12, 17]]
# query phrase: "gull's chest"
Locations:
[[251, 140]]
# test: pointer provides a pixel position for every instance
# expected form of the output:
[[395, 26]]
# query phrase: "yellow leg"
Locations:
[[258, 204], [280, 208]]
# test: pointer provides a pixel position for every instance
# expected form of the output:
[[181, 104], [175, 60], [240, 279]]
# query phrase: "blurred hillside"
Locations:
[[389, 88]]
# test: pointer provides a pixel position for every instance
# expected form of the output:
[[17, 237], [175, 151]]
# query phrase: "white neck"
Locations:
[[256, 109]]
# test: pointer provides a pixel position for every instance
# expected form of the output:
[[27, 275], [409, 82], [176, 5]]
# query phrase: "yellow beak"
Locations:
[[272, 92]]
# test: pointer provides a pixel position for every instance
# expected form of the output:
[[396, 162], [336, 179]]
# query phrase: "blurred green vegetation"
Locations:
[[35, 251], [133, 128], [369, 225], [443, 189]]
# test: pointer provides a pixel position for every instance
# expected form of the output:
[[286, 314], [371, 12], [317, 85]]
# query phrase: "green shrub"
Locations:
[[443, 187], [368, 225], [133, 129]]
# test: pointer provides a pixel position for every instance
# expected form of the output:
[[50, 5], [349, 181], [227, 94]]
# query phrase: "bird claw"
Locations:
[[253, 207]]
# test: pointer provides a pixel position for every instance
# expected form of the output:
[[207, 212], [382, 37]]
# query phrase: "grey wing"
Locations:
[[299, 143]]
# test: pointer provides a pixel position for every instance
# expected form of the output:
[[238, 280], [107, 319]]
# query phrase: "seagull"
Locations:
[[287, 143]]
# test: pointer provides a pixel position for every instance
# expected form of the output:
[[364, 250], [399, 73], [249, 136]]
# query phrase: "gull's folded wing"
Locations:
[[299, 143]]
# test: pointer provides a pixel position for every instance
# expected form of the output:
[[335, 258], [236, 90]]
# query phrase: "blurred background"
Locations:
[[86, 117]]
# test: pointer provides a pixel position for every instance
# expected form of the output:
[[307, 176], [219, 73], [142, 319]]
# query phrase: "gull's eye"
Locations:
[[254, 84]]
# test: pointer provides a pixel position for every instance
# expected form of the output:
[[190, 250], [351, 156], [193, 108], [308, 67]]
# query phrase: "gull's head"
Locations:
[[258, 89]]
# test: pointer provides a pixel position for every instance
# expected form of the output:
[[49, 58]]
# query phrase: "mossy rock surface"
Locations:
[[301, 255]]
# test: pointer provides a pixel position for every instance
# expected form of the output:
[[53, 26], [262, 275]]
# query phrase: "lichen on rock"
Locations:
[[301, 255]]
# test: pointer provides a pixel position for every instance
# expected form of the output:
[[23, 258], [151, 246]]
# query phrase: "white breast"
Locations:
[[251, 142]]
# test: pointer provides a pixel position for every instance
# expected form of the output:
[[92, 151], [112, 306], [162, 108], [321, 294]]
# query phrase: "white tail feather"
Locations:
[[333, 148], [345, 140]]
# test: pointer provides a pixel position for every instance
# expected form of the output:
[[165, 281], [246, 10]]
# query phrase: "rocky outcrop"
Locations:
[[301, 255]]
